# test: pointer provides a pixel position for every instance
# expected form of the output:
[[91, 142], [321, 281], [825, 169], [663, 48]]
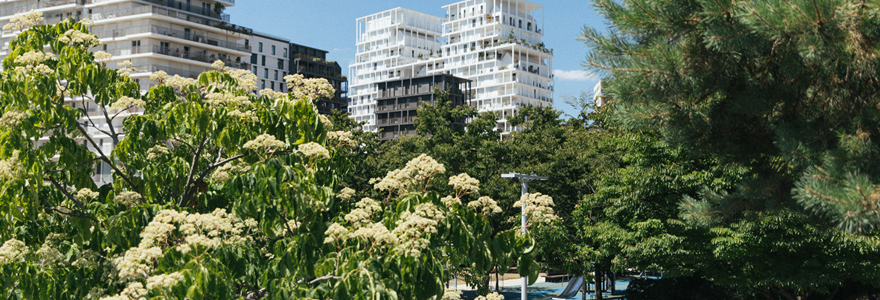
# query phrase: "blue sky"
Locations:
[[330, 25]]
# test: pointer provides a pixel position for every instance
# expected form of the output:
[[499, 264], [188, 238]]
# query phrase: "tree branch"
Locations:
[[66, 194], [107, 159], [204, 173], [192, 168]]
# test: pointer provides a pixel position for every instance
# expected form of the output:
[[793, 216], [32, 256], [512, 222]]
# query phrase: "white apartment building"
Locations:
[[178, 37], [494, 43], [393, 44], [270, 60]]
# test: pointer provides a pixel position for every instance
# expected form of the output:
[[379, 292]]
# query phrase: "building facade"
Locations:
[[313, 63], [398, 101], [269, 60], [496, 44]]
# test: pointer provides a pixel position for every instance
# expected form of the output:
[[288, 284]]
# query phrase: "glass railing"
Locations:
[[198, 37], [170, 13], [197, 56], [43, 4]]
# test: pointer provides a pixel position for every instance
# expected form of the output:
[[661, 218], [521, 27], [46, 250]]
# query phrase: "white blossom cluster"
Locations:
[[125, 69], [20, 22], [342, 138], [135, 290], [159, 76], [128, 198], [271, 93], [103, 57], [85, 194], [95, 293], [450, 201], [363, 213], [124, 103], [413, 228], [492, 296], [219, 65], [328, 125], [246, 79], [335, 233], [345, 194], [79, 38], [377, 233], [309, 88], [264, 142], [464, 184], [188, 230], [451, 294], [415, 174], [49, 254], [228, 100], [12, 118], [33, 63], [87, 259], [33, 57], [485, 205], [539, 207], [12, 251], [11, 167], [157, 152], [312, 149], [245, 116], [164, 281], [224, 172]]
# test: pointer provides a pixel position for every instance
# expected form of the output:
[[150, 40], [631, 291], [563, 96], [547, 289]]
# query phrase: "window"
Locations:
[[273, 49], [276, 75], [262, 84], [272, 85], [529, 26], [520, 23], [255, 70], [280, 63], [285, 52], [264, 61], [260, 47], [265, 73]]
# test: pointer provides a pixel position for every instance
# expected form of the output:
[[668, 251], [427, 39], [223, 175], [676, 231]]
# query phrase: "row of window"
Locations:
[[266, 73], [260, 49]]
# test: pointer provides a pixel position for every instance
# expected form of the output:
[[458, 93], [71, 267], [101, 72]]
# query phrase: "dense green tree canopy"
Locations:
[[749, 130]]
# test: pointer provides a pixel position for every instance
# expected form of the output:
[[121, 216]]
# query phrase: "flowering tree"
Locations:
[[217, 192]]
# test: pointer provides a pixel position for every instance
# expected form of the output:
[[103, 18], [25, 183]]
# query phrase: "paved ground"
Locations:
[[541, 290]]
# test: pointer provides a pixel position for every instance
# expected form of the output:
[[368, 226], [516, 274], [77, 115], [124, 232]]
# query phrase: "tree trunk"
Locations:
[[496, 278], [598, 279]]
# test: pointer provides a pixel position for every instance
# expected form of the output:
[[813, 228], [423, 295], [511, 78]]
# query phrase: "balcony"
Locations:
[[199, 38], [221, 24], [178, 5], [43, 4], [197, 56]]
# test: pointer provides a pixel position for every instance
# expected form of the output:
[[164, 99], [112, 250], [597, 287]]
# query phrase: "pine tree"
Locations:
[[783, 90]]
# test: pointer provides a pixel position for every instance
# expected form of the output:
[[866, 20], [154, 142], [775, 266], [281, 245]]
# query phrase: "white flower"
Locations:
[[485, 205], [49, 254], [218, 64], [87, 259], [451, 294], [10, 167], [492, 296], [19, 22], [341, 137], [376, 232], [464, 184], [345, 194], [128, 198], [326, 122], [450, 201], [246, 80], [124, 103], [264, 141], [335, 233], [159, 75], [85, 194], [157, 152], [103, 57], [12, 251], [539, 207], [12, 118], [79, 38], [310, 89], [416, 174], [312, 149], [164, 281], [33, 57]]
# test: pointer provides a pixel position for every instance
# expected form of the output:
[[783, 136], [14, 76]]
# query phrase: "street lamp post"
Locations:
[[524, 179]]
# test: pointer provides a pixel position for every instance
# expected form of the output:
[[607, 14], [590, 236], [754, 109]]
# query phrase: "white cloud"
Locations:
[[576, 75]]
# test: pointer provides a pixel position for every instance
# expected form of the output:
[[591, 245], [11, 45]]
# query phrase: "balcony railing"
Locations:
[[43, 4], [196, 56], [198, 37], [178, 5], [170, 13]]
